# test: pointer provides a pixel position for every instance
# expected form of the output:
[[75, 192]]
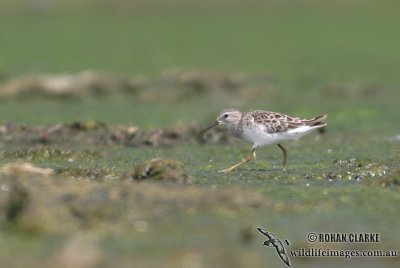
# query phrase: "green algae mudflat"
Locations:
[[77, 184], [77, 195]]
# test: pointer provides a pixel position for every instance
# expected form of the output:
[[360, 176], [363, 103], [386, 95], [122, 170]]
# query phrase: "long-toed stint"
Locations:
[[263, 127]]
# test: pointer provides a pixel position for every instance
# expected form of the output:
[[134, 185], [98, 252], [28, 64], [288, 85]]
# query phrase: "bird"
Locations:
[[262, 128], [275, 242]]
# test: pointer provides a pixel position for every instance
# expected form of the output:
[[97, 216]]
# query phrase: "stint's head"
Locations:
[[229, 117]]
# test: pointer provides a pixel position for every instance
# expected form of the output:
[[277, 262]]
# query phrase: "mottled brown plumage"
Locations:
[[276, 122], [263, 127]]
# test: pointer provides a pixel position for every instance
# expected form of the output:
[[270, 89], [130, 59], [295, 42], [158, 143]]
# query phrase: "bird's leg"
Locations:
[[250, 157], [284, 155]]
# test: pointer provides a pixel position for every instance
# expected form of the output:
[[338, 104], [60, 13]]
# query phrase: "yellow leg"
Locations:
[[284, 156], [250, 157]]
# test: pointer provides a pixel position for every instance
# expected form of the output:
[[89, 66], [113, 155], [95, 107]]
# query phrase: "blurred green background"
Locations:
[[336, 57], [304, 46], [317, 41]]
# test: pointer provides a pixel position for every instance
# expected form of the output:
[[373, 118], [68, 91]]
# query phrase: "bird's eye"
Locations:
[[225, 115]]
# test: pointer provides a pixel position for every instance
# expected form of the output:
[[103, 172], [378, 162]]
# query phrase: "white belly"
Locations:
[[259, 137]]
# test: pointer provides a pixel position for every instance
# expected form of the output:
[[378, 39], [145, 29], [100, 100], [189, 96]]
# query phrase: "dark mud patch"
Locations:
[[41, 152], [352, 170], [355, 170], [89, 174], [35, 200], [88, 133], [160, 169], [389, 180], [88, 83], [170, 85]]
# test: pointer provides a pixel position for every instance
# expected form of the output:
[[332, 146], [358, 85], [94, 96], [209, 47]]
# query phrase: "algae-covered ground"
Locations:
[[108, 168]]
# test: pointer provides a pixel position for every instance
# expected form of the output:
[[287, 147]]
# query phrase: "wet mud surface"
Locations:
[[97, 133], [123, 188]]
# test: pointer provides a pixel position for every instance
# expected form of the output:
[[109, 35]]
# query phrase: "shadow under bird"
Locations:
[[263, 127]]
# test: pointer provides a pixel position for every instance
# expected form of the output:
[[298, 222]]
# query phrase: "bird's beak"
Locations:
[[211, 126]]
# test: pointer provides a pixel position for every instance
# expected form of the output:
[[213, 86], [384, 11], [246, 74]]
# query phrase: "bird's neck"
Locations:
[[234, 129]]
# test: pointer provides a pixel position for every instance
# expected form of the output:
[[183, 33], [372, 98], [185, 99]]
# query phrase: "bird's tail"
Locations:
[[318, 121]]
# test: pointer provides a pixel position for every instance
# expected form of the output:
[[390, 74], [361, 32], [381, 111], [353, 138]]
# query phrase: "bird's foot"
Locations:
[[227, 170]]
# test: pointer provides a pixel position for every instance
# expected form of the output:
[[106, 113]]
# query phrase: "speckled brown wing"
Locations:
[[276, 122]]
